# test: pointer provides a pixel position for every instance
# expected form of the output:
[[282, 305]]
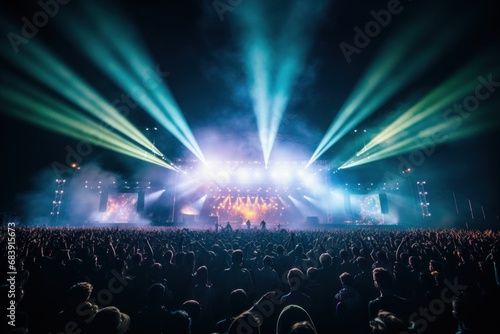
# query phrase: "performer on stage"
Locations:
[[263, 224]]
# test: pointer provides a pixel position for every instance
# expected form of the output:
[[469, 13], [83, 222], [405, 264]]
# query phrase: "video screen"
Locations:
[[366, 209], [121, 208]]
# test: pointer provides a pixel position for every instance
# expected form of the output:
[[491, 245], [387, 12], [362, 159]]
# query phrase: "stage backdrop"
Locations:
[[121, 208]]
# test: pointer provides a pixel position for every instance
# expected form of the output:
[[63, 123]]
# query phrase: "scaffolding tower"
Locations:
[[56, 203], [422, 196]]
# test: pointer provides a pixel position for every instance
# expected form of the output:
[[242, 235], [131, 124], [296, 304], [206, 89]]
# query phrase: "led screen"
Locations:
[[121, 208], [366, 209]]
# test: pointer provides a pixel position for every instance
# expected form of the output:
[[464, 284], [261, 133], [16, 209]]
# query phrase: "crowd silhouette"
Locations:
[[173, 280]]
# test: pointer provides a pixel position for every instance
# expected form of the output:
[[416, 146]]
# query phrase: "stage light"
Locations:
[[389, 73], [50, 71], [432, 120], [60, 118], [462, 83], [126, 62], [45, 67], [243, 175], [273, 63], [195, 207]]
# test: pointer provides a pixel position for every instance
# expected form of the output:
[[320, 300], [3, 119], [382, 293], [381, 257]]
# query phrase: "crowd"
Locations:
[[172, 280]]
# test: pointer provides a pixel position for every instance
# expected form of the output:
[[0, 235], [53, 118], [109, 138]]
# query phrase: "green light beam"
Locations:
[[59, 118], [423, 139], [448, 92], [107, 62], [433, 114], [47, 69], [124, 62], [395, 66], [274, 64], [131, 50]]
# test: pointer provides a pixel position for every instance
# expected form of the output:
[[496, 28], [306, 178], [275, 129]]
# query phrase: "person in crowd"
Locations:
[[193, 309], [179, 322], [387, 300], [348, 296], [381, 261], [70, 274], [235, 277], [363, 282], [294, 319], [321, 306], [346, 266], [266, 278], [350, 311], [303, 327], [327, 275], [109, 320], [295, 279], [237, 305], [78, 310], [246, 322], [203, 293], [153, 318], [388, 323]]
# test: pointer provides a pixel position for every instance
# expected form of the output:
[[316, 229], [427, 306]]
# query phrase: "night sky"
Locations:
[[203, 58]]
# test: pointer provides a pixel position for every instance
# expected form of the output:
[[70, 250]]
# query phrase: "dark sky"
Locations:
[[203, 58]]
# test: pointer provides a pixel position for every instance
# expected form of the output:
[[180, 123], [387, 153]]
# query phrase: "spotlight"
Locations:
[[388, 75]]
